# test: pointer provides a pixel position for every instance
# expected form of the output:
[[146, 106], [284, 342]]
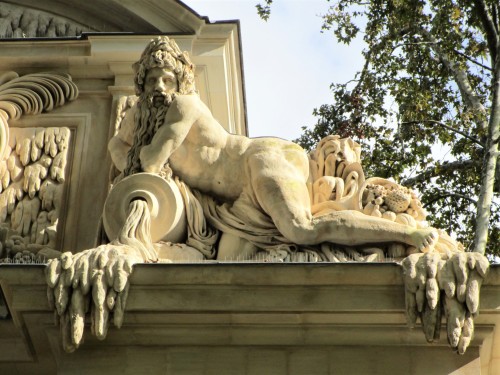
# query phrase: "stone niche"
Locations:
[[192, 318]]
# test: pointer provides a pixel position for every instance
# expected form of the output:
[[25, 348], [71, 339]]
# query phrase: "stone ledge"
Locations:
[[241, 306]]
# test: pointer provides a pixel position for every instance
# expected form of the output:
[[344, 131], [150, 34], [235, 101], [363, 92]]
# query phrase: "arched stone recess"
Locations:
[[54, 19], [22, 22]]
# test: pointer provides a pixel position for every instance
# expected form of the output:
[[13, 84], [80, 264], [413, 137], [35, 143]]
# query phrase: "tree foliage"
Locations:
[[425, 105], [264, 11]]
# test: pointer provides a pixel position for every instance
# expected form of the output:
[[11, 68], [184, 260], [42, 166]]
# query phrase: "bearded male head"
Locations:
[[162, 73]]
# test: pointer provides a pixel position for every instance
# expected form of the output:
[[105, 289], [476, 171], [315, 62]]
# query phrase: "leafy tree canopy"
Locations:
[[425, 105]]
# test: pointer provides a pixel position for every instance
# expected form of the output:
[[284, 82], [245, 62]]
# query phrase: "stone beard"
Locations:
[[150, 116]]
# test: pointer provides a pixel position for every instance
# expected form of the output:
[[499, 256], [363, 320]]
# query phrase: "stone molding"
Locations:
[[297, 310]]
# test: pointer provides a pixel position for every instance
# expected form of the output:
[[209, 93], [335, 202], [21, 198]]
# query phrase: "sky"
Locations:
[[288, 63]]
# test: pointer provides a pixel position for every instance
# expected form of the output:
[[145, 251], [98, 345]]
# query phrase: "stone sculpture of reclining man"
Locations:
[[271, 172], [175, 129]]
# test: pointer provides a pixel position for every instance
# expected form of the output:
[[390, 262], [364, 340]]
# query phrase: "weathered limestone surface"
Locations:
[[33, 164], [20, 22], [224, 318], [213, 194], [101, 67], [179, 176], [55, 18], [269, 200]]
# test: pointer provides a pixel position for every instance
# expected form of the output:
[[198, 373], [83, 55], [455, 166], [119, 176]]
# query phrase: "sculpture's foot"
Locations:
[[424, 239]]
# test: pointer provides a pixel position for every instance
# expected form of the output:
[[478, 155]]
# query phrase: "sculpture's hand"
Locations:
[[166, 172], [149, 160], [460, 277], [95, 279]]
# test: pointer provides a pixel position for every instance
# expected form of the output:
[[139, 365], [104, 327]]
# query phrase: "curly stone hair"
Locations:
[[163, 52]]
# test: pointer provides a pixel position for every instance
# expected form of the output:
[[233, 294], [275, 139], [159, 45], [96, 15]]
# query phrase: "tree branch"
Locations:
[[450, 195], [411, 44], [495, 16], [370, 52], [437, 170], [490, 28], [363, 71], [456, 51], [470, 99], [465, 135], [473, 61]]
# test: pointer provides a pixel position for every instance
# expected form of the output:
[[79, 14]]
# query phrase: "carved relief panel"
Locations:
[[34, 151]]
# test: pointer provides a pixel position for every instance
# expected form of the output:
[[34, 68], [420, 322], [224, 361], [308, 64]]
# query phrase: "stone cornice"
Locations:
[[253, 304]]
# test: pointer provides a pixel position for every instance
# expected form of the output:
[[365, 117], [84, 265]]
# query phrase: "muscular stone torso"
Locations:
[[216, 162]]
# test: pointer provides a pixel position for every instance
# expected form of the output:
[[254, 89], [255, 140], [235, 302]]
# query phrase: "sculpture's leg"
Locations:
[[233, 248], [282, 193]]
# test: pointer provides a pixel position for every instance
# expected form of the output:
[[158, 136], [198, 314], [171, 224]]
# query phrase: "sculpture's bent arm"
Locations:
[[178, 122]]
